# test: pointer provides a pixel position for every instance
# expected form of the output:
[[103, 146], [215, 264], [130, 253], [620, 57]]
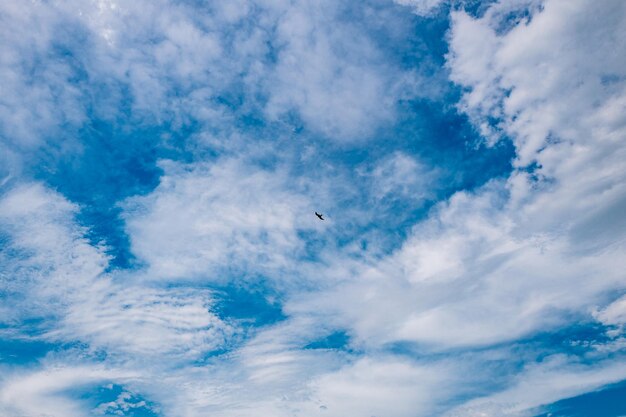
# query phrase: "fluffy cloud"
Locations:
[[331, 73], [531, 239], [53, 272], [383, 386], [399, 177], [456, 306], [518, 255], [37, 101], [212, 218], [528, 253], [68, 64]]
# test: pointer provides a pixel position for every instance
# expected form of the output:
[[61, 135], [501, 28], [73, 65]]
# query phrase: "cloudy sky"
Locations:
[[161, 162]]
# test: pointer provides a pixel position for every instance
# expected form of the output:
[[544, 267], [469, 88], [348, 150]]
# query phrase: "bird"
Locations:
[[319, 215]]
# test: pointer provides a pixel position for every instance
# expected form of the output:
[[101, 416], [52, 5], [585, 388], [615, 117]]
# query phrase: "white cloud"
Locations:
[[122, 404], [40, 393], [527, 253], [49, 252], [38, 101], [510, 254], [383, 386], [332, 72], [520, 255], [54, 272], [555, 378], [614, 313], [206, 220], [68, 62], [614, 317], [401, 176], [552, 87], [144, 321]]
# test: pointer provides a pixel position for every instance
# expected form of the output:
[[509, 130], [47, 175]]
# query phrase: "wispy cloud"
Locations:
[[213, 218], [206, 135]]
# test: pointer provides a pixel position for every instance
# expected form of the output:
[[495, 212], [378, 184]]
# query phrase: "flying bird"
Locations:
[[319, 215]]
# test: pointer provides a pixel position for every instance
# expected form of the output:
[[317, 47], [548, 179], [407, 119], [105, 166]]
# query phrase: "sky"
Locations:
[[161, 162]]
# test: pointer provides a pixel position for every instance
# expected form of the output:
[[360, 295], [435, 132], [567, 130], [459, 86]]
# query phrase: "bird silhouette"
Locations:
[[319, 215]]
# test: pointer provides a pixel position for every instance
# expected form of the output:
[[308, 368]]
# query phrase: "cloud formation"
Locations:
[[206, 135]]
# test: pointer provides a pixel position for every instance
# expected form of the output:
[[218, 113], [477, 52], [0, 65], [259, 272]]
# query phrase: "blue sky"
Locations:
[[161, 163]]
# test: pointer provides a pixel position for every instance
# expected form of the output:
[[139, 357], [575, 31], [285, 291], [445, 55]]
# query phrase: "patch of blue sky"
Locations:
[[606, 402], [114, 400], [21, 351], [113, 162], [25, 348], [30, 326], [251, 305], [514, 13], [475, 8], [111, 166], [579, 339], [337, 340]]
